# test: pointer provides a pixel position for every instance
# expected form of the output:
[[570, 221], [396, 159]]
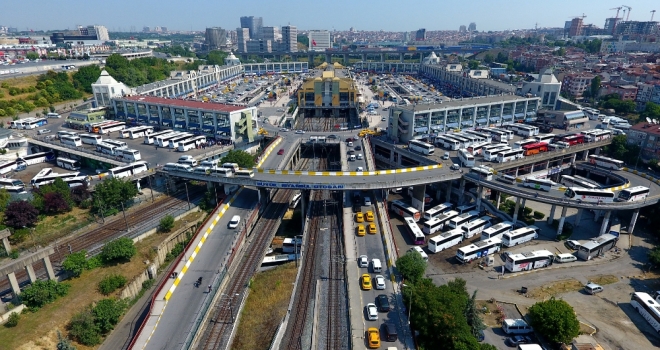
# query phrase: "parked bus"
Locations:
[[458, 221], [244, 173], [475, 227], [507, 133], [174, 142], [606, 162], [437, 224], [106, 148], [36, 182], [547, 138], [573, 140], [597, 247], [491, 146], [465, 208], [65, 133], [437, 210], [572, 181], [150, 138], [525, 130], [445, 240], [491, 154], [539, 184], [77, 181], [483, 172], [520, 235], [529, 260], [647, 307], [404, 210], [477, 148], [177, 167], [117, 143], [67, 163], [71, 141], [633, 194], [106, 129], [590, 195], [221, 172], [33, 123], [233, 166], [465, 142], [447, 143], [600, 135], [191, 143], [164, 140], [131, 155], [415, 232], [522, 143], [90, 139], [496, 231], [478, 250], [509, 179], [43, 172], [507, 156], [12, 185], [466, 158], [535, 148], [498, 135], [128, 170], [487, 137], [421, 147], [135, 132], [36, 158]]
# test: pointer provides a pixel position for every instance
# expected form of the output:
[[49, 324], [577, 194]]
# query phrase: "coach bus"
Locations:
[[183, 137], [539, 184], [244, 173], [437, 210], [573, 140], [445, 240], [484, 173], [150, 138], [107, 148], [590, 195], [116, 143], [465, 142], [529, 260], [478, 250], [633, 194], [544, 138], [466, 158], [597, 247], [36, 182], [128, 170], [437, 224], [67, 163], [477, 148], [498, 135], [71, 141], [458, 221], [106, 129], [447, 143], [522, 143], [90, 139], [525, 130], [486, 137], [496, 231], [131, 155], [535, 148], [507, 156], [606, 162], [647, 307], [572, 181], [475, 227], [36, 158], [77, 181], [33, 123], [520, 235], [415, 232], [135, 132], [192, 143], [404, 210], [491, 154], [164, 140], [421, 147]]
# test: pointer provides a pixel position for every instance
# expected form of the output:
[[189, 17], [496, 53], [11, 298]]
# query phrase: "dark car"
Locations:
[[332, 136], [481, 336], [281, 151], [351, 151], [518, 339], [383, 303], [358, 148]]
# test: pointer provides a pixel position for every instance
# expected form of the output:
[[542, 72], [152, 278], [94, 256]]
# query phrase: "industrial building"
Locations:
[[331, 92], [88, 33]]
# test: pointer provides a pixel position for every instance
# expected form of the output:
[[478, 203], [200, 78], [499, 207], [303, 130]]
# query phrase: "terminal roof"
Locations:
[[209, 106]]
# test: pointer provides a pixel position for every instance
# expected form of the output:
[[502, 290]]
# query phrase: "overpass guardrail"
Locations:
[[550, 154]]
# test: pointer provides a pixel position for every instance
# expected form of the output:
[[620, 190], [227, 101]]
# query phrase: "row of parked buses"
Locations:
[[47, 176], [209, 168]]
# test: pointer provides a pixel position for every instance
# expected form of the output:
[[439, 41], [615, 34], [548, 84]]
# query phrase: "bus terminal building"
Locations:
[[413, 122]]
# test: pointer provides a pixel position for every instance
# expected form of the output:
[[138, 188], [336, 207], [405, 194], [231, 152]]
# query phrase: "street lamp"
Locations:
[[410, 303]]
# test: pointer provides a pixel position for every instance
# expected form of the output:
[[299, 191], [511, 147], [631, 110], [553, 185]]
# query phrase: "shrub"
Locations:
[[94, 262], [21, 214], [75, 263], [527, 211], [538, 215], [41, 293], [148, 283], [166, 224], [107, 313], [118, 249], [12, 321], [83, 329], [111, 283]]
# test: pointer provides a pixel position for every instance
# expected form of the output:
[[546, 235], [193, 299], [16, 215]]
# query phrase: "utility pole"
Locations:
[[124, 211], [151, 189], [187, 196]]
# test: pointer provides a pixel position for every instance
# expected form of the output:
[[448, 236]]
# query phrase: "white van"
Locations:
[[53, 115], [351, 157], [516, 326], [376, 266], [359, 156], [564, 258]]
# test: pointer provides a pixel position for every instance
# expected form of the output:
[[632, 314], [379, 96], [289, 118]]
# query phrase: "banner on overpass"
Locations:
[[300, 186]]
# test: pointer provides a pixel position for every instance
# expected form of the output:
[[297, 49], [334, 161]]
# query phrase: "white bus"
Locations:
[[118, 144], [12, 185], [233, 166], [472, 139], [108, 128], [65, 133], [174, 142], [36, 158], [462, 219], [91, 139], [244, 173], [454, 139], [36, 182], [177, 167], [475, 227], [508, 156], [465, 142], [486, 137], [43, 172], [415, 232], [496, 231], [128, 170], [529, 260], [33, 123], [648, 308], [526, 130], [597, 247], [421, 147], [606, 162], [447, 143], [135, 132], [544, 138], [539, 184], [590, 195], [491, 154], [437, 224], [508, 134], [497, 135], [477, 148], [633, 194], [131, 155], [67, 163], [405, 210], [191, 143], [484, 173], [521, 143], [164, 140], [149, 138], [77, 181], [600, 135], [478, 250], [106, 148], [465, 158], [445, 240], [437, 210], [520, 235], [572, 181], [71, 141], [221, 172]]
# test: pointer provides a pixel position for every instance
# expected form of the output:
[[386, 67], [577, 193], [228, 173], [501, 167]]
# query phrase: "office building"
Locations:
[[420, 35], [406, 37], [271, 33], [462, 29], [215, 38], [472, 27], [319, 40], [258, 46], [289, 39], [646, 136], [254, 24], [546, 86], [242, 36], [610, 25], [94, 32], [330, 92]]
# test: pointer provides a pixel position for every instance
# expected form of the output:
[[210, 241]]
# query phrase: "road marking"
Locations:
[[350, 173]]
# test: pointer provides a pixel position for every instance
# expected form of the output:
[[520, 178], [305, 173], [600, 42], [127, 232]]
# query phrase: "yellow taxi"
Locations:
[[370, 216], [373, 338], [359, 217], [372, 229], [360, 230], [366, 281]]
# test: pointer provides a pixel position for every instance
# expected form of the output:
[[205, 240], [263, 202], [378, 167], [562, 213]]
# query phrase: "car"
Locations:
[[593, 288], [455, 167], [482, 336], [372, 312], [383, 303], [573, 244], [358, 148], [333, 137], [366, 281], [380, 282], [300, 131], [281, 151], [235, 220], [350, 139], [383, 119], [445, 156], [359, 169], [351, 152], [43, 131], [359, 217], [518, 339], [280, 110], [372, 229], [363, 261], [360, 230], [369, 216], [373, 338]]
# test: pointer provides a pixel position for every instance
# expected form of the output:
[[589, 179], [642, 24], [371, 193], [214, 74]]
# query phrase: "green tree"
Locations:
[[85, 76], [473, 316], [40, 293], [109, 195], [654, 255], [651, 110], [303, 39], [621, 150], [84, 329], [555, 320], [216, 57], [13, 319], [107, 313], [4, 199], [118, 249], [31, 56], [411, 266], [242, 158], [75, 263], [166, 224], [595, 86], [63, 343], [488, 58], [111, 283], [472, 64]]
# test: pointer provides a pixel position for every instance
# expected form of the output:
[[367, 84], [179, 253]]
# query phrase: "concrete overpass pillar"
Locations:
[[499, 198], [401, 57], [551, 217], [547, 164], [49, 269], [30, 272], [13, 282], [523, 204], [382, 57], [578, 217], [4, 235], [418, 194], [461, 190], [586, 155], [597, 151], [364, 57], [574, 158], [606, 222], [302, 209], [561, 221], [516, 172], [480, 191], [633, 221], [346, 59], [449, 187], [328, 58], [515, 211]]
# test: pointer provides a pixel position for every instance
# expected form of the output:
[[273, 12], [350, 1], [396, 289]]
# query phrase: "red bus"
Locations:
[[535, 148], [574, 139]]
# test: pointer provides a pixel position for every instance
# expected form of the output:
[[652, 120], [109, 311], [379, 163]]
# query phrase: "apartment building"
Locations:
[[575, 84]]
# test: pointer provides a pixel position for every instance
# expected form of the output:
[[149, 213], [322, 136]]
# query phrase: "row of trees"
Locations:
[[138, 71]]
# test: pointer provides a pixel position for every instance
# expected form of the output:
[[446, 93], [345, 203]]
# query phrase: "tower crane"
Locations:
[[583, 16], [652, 14], [617, 11], [629, 9]]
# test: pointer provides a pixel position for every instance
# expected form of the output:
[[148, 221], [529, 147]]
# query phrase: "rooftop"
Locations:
[[648, 128], [206, 106], [463, 103]]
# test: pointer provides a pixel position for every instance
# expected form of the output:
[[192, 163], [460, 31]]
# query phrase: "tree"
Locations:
[[242, 158], [13, 319], [472, 315], [488, 58], [472, 64], [118, 249], [651, 110], [555, 320], [40, 293], [107, 313], [31, 56], [63, 343], [55, 204], [111, 283], [620, 149], [85, 76], [83, 329], [21, 214], [654, 256], [75, 263], [595, 86], [411, 266], [166, 223], [110, 194], [4, 199]]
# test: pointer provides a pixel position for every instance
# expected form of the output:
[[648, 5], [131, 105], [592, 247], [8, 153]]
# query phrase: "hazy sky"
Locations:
[[388, 15]]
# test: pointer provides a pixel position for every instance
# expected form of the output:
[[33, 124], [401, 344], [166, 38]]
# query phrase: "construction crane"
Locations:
[[617, 11], [652, 14], [583, 16], [629, 9]]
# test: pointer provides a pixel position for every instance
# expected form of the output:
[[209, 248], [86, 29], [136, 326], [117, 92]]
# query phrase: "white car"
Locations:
[[445, 156], [372, 312], [284, 130], [383, 119], [455, 167], [363, 261], [235, 220], [380, 282], [359, 169], [300, 131]]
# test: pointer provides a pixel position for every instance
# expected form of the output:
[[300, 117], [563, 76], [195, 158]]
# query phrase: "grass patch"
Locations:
[[20, 82], [270, 292], [603, 279], [556, 288], [489, 312]]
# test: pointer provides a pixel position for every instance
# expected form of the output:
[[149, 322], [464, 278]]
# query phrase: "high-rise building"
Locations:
[[242, 36], [319, 40], [576, 27], [271, 33], [290, 39], [254, 24], [215, 38], [146, 29], [610, 25], [462, 29], [636, 28], [258, 45], [406, 37], [420, 35], [472, 27]]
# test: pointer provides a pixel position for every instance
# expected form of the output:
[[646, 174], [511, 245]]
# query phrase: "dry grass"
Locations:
[[603, 279], [21, 82], [270, 292], [490, 315], [554, 289]]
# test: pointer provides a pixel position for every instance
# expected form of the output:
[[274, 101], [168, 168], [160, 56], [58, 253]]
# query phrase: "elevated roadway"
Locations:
[[79, 151]]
